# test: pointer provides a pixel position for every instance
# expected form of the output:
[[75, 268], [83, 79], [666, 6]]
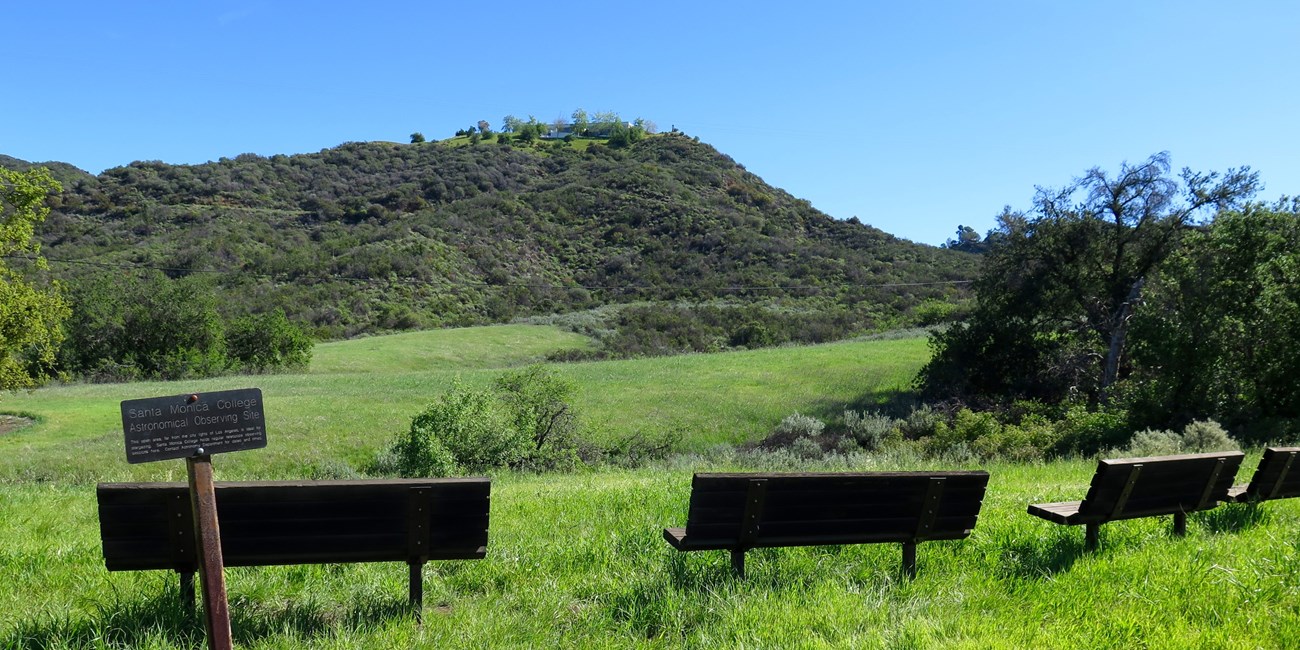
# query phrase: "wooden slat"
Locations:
[[1165, 485], [825, 508], [299, 522], [1062, 512]]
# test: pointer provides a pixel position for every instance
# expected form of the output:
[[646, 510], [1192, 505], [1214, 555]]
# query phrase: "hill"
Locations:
[[368, 237]]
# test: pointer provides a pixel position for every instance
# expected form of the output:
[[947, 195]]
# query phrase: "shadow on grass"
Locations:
[[1232, 517], [647, 607], [1042, 558], [129, 624], [895, 403]]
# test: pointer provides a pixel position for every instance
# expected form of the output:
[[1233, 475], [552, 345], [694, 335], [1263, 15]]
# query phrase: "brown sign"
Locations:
[[179, 426]]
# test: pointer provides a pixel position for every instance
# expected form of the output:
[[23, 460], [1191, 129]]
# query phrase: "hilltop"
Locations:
[[379, 236]]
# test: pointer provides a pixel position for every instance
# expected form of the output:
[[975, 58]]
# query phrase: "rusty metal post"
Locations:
[[203, 498]]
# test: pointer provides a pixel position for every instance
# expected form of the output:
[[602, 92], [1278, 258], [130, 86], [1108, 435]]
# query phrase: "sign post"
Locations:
[[203, 499], [193, 427]]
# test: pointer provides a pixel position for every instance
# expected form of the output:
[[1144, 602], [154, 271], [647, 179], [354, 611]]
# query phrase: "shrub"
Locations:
[[1153, 442], [869, 430], [968, 427], [920, 422], [1088, 432], [537, 403], [523, 421], [260, 342], [806, 448], [1199, 436], [796, 426], [466, 430], [1207, 435]]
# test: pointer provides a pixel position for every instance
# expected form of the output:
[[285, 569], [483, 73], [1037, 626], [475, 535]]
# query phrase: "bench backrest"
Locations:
[[757, 510], [1278, 475], [1127, 488], [150, 525]]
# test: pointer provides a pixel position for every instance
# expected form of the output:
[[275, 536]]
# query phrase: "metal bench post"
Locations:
[[187, 590], [1180, 523], [924, 522], [755, 500], [1090, 535], [418, 545], [909, 559]]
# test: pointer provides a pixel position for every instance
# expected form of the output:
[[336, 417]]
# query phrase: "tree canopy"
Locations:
[[30, 317], [1060, 285]]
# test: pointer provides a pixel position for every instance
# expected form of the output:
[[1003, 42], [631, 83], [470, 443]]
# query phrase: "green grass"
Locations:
[[577, 560], [358, 394]]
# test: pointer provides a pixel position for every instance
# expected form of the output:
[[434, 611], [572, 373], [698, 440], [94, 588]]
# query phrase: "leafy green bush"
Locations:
[[966, 428], [1152, 442], [1088, 432], [466, 430], [537, 401], [524, 421], [920, 422], [797, 425], [260, 342]]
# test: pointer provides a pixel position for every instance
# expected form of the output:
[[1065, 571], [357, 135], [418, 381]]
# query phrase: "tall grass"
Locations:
[[577, 560]]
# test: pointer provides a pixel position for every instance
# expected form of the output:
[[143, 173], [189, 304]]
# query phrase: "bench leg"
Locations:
[[1090, 534], [417, 590], [1180, 523], [909, 559], [187, 590], [738, 562]]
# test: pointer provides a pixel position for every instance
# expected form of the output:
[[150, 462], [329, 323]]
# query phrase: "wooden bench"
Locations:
[[738, 512], [150, 525], [1277, 477], [1129, 488]]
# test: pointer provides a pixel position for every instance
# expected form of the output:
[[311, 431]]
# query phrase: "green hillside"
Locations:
[[358, 394], [369, 237]]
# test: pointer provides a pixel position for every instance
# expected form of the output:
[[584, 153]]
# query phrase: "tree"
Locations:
[[261, 342], [580, 122], [30, 318], [510, 124], [538, 401], [144, 325], [484, 127], [1059, 288], [967, 240], [1217, 336], [646, 125], [625, 136], [417, 137]]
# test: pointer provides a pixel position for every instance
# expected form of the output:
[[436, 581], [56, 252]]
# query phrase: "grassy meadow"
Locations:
[[576, 560]]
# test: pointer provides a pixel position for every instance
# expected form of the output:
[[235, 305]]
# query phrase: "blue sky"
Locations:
[[913, 116]]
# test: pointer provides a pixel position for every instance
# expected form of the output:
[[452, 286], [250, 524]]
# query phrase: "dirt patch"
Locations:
[[12, 423]]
